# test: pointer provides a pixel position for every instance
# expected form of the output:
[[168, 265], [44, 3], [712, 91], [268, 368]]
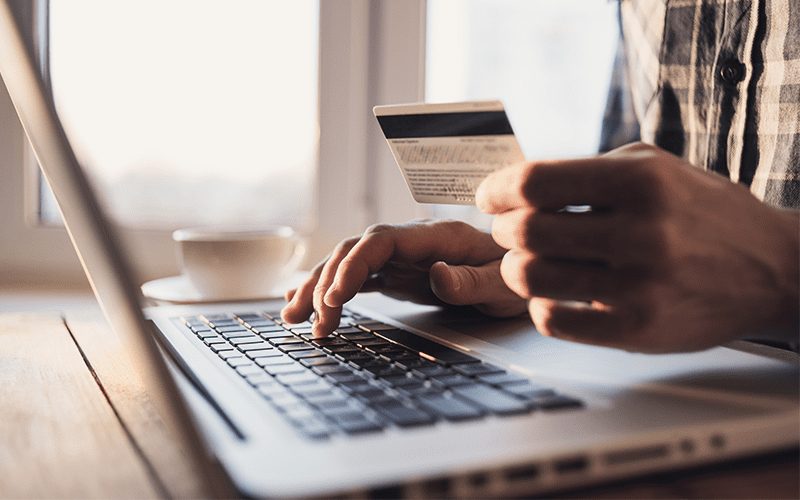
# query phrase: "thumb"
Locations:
[[480, 286]]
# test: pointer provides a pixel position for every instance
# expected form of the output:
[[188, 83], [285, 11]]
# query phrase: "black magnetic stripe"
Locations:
[[445, 124]]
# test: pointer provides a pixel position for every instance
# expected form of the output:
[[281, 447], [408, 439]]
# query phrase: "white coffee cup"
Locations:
[[238, 262]]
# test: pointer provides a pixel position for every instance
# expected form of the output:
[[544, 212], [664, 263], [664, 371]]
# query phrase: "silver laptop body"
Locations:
[[636, 413]]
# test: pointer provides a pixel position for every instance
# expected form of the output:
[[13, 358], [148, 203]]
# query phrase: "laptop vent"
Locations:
[[522, 473], [624, 457], [386, 493], [571, 465]]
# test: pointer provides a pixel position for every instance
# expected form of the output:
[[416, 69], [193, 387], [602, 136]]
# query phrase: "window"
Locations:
[[215, 67], [549, 61], [370, 53], [191, 113]]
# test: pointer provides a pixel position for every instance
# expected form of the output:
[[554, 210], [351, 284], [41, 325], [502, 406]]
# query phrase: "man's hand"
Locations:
[[668, 258], [426, 262]]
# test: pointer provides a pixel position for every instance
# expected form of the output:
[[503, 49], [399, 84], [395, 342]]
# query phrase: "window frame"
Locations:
[[371, 53]]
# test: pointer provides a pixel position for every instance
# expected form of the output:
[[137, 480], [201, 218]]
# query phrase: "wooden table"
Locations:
[[75, 422]]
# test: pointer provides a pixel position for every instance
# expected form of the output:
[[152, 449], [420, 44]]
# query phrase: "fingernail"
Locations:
[[455, 279], [315, 325], [329, 295]]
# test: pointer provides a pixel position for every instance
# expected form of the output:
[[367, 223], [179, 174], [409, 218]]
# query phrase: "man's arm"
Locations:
[[670, 258]]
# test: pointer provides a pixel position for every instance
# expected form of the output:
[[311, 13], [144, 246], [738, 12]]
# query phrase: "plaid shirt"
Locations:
[[716, 82]]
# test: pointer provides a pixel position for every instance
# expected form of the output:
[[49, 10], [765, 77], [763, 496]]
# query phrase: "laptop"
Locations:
[[404, 400]]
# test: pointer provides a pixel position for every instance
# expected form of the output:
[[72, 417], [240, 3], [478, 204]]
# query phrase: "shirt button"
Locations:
[[732, 72]]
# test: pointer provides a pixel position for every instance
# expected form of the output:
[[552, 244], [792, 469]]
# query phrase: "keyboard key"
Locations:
[[237, 362], [555, 402], [373, 341], [238, 327], [193, 321], [221, 347], [431, 370], [342, 377], [285, 369], [437, 351], [327, 401], [282, 341], [264, 324], [329, 341], [222, 322], [314, 428], [503, 379], [357, 358], [379, 367], [318, 361], [400, 380], [249, 316], [451, 380], [491, 399], [301, 378], [376, 326], [259, 378], [272, 331], [331, 369], [289, 348], [343, 349], [288, 402], [273, 315], [529, 390], [320, 388], [357, 423], [409, 361], [275, 390], [231, 353], [403, 416], [387, 351], [249, 339], [353, 332], [262, 353], [255, 346], [299, 413], [308, 353], [413, 388], [397, 353], [247, 370], [448, 407], [274, 360], [371, 394], [208, 335], [473, 369], [292, 326]]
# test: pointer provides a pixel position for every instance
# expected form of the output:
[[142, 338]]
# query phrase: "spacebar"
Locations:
[[433, 349]]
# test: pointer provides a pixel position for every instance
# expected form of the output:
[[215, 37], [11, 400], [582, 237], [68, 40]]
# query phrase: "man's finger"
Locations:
[[300, 302], [603, 326], [530, 275], [326, 317], [602, 181], [480, 286], [417, 243], [615, 238]]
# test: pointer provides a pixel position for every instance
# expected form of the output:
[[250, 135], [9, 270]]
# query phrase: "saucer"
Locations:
[[180, 290]]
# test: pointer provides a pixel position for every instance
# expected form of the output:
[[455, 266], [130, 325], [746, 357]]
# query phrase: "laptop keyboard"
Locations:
[[367, 376]]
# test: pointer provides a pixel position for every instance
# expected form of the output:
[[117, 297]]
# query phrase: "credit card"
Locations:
[[445, 150]]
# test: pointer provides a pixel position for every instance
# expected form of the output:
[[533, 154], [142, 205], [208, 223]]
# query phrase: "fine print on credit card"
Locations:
[[445, 150]]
